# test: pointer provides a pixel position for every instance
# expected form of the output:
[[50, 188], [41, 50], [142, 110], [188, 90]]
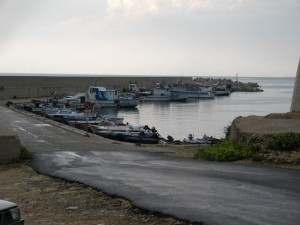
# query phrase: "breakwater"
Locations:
[[42, 86], [234, 85], [13, 86]]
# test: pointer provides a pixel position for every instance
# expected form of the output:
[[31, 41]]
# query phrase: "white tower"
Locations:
[[295, 107]]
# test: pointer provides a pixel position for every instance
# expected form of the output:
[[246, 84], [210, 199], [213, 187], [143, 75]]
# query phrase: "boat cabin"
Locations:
[[161, 90], [101, 93]]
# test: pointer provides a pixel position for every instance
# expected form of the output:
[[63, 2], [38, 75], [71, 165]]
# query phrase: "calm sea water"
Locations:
[[210, 116]]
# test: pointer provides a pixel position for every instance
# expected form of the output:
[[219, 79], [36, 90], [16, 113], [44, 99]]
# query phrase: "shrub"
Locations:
[[227, 151], [227, 130], [287, 141]]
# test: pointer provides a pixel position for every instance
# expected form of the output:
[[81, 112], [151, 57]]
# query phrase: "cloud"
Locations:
[[265, 5], [237, 4], [132, 9]]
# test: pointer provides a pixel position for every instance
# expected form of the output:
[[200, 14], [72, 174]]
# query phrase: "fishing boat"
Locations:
[[221, 91], [138, 91], [194, 90], [110, 98], [164, 93], [104, 130], [128, 133], [63, 114]]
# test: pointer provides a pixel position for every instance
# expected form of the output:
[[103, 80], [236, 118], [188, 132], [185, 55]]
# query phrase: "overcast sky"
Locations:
[[150, 37]]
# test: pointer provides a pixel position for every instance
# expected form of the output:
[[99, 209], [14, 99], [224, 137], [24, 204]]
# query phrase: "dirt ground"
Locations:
[[50, 201], [44, 200]]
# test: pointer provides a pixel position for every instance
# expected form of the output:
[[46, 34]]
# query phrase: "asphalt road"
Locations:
[[197, 191]]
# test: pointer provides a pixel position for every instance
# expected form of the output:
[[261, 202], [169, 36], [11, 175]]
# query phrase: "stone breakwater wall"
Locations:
[[43, 86]]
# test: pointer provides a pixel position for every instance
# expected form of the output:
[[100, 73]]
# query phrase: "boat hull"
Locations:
[[141, 139], [196, 94], [166, 98]]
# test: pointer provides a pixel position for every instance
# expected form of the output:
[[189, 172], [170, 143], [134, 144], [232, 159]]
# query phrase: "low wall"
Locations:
[[10, 147], [42, 86], [257, 129]]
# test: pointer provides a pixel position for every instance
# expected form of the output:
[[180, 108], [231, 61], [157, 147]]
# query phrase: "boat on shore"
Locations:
[[128, 133], [133, 137], [104, 130], [199, 141]]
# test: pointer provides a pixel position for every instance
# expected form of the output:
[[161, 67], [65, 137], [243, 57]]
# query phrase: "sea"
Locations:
[[211, 116]]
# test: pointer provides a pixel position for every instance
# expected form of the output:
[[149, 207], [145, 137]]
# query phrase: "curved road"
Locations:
[[197, 191]]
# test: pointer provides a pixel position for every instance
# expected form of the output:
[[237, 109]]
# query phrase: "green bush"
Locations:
[[226, 151], [287, 141], [25, 153], [227, 130]]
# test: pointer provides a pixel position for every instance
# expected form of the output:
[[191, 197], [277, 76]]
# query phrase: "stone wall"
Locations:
[[42, 86], [10, 147]]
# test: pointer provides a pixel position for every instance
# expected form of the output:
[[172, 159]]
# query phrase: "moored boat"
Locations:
[[164, 94], [222, 91], [194, 90], [110, 98]]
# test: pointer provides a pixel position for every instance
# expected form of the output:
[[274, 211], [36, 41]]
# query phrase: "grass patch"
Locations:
[[227, 151], [25, 153], [286, 141]]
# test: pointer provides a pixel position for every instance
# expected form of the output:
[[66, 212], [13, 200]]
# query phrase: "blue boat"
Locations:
[[110, 98]]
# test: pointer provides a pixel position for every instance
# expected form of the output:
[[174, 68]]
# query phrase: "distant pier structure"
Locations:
[[295, 107]]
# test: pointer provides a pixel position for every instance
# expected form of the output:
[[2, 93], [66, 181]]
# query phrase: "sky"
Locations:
[[150, 37]]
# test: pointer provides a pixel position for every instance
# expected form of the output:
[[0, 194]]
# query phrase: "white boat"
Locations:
[[194, 90], [221, 91], [105, 130], [164, 94], [75, 97], [134, 134], [95, 120], [110, 98], [191, 140], [60, 115], [138, 91]]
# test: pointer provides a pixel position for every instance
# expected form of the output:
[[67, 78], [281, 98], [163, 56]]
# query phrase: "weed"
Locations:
[[287, 141], [227, 151]]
